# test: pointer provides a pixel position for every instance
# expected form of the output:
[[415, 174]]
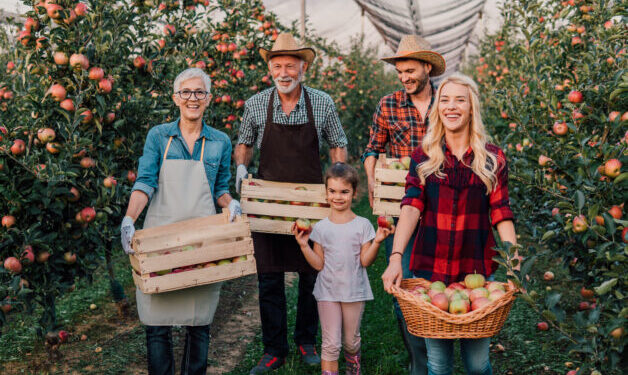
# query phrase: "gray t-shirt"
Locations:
[[343, 279]]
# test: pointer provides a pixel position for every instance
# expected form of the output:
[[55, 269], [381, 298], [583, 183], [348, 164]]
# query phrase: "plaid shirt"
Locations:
[[326, 118], [455, 237], [398, 122]]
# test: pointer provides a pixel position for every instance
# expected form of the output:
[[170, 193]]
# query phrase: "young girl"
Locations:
[[458, 183], [344, 245]]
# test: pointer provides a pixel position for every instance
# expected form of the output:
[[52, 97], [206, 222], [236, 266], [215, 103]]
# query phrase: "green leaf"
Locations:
[[609, 223], [579, 199], [621, 178], [549, 315], [547, 235], [605, 287]]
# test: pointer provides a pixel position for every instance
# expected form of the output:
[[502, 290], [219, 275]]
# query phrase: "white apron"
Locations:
[[183, 193]]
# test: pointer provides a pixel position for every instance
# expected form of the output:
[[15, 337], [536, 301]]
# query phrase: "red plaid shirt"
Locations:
[[398, 122], [455, 237]]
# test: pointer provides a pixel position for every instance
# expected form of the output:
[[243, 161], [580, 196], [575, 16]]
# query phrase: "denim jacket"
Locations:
[[217, 158]]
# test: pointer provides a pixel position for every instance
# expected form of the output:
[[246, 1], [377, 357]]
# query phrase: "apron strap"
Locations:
[[167, 148], [202, 150]]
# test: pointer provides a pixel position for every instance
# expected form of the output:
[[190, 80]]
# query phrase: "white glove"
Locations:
[[241, 174], [234, 209], [127, 230]]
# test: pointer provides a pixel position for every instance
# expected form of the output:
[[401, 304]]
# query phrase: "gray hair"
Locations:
[[301, 61], [192, 73]]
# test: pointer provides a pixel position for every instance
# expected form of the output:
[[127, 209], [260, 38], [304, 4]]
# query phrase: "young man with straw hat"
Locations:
[[400, 121], [287, 123]]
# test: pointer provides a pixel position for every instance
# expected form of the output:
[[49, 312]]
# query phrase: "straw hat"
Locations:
[[415, 47], [286, 45]]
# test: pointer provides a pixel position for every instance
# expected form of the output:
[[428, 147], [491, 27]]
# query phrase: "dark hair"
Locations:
[[343, 171]]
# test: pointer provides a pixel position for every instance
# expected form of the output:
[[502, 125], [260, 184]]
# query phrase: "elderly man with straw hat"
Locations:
[[287, 123], [400, 121]]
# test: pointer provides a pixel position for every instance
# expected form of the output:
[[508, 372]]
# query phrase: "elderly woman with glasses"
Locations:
[[184, 174]]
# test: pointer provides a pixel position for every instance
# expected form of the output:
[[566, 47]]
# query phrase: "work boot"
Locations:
[[309, 355], [268, 363], [416, 348], [352, 363]]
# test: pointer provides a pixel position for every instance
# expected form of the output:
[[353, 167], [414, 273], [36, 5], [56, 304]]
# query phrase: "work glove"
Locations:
[[241, 174], [127, 230], [234, 209]]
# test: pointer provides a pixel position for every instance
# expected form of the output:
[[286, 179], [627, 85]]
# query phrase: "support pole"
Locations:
[[362, 26], [302, 19]]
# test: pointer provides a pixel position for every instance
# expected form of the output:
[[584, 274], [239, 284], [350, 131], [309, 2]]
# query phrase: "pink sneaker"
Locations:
[[353, 364]]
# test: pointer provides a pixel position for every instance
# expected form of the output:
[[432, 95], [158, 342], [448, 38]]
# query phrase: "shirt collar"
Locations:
[[405, 99], [467, 155], [277, 102], [173, 130]]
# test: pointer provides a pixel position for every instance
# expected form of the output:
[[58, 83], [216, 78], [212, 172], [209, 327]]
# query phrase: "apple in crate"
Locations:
[[304, 225], [405, 161], [224, 261], [396, 165], [241, 258], [209, 264], [385, 222]]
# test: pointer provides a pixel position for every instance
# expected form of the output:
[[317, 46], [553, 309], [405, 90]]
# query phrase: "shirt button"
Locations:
[[453, 225]]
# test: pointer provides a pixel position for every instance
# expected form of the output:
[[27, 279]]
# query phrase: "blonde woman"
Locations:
[[458, 185]]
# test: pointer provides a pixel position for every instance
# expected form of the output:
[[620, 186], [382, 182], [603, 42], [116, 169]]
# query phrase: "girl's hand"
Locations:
[[382, 233], [301, 237], [392, 275]]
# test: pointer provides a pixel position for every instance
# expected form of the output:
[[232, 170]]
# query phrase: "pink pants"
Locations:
[[340, 324]]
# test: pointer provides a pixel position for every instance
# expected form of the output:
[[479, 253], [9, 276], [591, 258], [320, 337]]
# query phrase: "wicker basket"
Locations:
[[426, 320]]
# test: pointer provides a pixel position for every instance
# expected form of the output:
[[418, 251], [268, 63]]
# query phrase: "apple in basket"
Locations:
[[474, 280], [479, 302], [425, 297], [478, 293], [440, 300], [496, 294], [459, 306], [438, 286], [457, 286], [494, 285]]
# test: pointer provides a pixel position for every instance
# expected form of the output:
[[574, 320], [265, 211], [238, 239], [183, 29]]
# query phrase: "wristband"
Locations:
[[395, 252]]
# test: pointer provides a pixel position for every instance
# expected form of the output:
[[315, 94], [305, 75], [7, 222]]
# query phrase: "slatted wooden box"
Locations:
[[272, 207], [189, 253], [389, 186]]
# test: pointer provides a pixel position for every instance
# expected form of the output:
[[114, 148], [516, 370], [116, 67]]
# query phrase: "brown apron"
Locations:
[[288, 153]]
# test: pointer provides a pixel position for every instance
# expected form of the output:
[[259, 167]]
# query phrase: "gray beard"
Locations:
[[293, 85]]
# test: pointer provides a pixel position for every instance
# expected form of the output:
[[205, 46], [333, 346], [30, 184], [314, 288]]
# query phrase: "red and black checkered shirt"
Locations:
[[398, 122], [455, 236]]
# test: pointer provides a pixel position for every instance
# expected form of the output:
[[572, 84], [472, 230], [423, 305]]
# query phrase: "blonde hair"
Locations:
[[485, 164]]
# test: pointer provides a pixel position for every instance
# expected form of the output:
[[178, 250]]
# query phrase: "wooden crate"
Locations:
[[191, 242], [389, 187], [272, 207]]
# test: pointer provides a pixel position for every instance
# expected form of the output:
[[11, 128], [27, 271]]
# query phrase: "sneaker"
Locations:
[[309, 355], [352, 363], [268, 363]]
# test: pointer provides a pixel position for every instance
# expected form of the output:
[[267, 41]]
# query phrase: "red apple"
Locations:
[[624, 235], [548, 276], [139, 62], [67, 104], [105, 86], [617, 333], [169, 30], [584, 305], [57, 92], [494, 285], [18, 147], [544, 160], [479, 302], [88, 214], [28, 256], [75, 194], [86, 116], [42, 257], [555, 211], [80, 9], [542, 326], [495, 295], [60, 58], [385, 222], [53, 10], [87, 162], [109, 182], [96, 73], [8, 221], [580, 224], [456, 286], [63, 336], [616, 212], [304, 225], [575, 96], [46, 135], [474, 280], [79, 61], [478, 293], [560, 128], [438, 286], [13, 265], [440, 300], [612, 168], [69, 257], [131, 176]]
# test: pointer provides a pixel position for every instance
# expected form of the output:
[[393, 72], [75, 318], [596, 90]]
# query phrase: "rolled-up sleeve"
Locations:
[[498, 199], [248, 129], [415, 192], [149, 164], [332, 129], [224, 172], [378, 134]]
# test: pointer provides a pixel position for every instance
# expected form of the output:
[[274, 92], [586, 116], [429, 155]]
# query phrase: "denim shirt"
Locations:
[[217, 158]]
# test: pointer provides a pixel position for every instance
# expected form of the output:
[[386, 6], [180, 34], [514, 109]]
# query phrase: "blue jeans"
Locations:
[[474, 352], [161, 356], [414, 345]]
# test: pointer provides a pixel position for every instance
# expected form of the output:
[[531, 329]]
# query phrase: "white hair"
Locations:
[[192, 73], [300, 59], [294, 82]]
